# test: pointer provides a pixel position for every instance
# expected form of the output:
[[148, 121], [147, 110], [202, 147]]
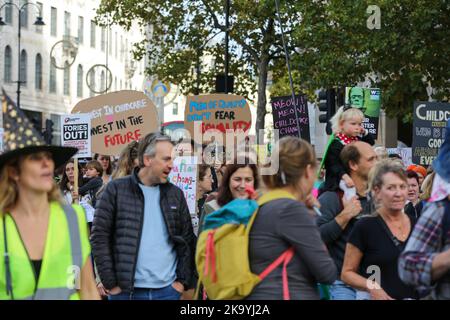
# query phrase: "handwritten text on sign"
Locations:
[[217, 112], [283, 111], [118, 118], [184, 176]]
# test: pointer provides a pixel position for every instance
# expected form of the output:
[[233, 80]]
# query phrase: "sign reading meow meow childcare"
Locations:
[[118, 118], [216, 113]]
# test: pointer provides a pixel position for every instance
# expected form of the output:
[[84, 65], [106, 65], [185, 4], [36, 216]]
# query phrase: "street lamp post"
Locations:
[[38, 22]]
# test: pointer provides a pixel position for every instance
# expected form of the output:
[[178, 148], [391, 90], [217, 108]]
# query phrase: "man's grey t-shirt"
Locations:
[[157, 258], [332, 234]]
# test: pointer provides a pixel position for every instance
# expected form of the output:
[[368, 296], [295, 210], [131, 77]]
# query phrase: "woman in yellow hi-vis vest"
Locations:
[[44, 245]]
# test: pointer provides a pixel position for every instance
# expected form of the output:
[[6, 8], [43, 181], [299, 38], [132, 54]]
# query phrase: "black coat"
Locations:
[[117, 230]]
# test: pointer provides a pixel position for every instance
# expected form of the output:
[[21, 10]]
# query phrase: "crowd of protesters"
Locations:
[[376, 230]]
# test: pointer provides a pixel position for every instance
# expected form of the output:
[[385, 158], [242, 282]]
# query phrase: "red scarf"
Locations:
[[346, 139]]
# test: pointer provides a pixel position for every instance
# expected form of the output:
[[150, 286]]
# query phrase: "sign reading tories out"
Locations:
[[283, 111], [216, 113], [369, 101], [429, 123], [118, 118], [76, 132]]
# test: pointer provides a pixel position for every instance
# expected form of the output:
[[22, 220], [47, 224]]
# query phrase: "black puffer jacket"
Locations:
[[117, 229]]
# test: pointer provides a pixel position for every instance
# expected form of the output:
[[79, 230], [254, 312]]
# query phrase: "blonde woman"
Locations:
[[375, 244], [44, 246]]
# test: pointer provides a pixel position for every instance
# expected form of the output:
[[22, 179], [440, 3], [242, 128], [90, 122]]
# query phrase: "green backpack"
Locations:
[[222, 257]]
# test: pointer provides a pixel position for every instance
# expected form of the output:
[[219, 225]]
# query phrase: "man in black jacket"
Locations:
[[142, 237]]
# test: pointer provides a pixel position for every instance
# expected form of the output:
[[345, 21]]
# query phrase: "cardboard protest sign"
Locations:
[[118, 118], [284, 116], [429, 123], [405, 153], [369, 101], [184, 176], [216, 113], [76, 132]]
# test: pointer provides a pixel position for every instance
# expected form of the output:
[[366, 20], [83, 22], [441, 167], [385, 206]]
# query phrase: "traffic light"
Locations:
[[48, 134], [327, 104]]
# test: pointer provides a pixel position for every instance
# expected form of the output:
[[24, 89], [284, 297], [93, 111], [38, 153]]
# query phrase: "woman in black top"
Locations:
[[372, 252]]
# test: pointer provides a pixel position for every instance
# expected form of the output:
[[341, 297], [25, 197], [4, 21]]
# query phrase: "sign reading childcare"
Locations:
[[430, 119], [75, 132], [184, 176], [284, 116], [217, 113], [118, 118], [369, 101]]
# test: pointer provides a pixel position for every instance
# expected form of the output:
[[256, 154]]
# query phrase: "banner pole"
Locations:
[[75, 177]]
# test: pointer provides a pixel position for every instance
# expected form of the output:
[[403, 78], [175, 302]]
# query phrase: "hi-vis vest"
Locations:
[[66, 251]]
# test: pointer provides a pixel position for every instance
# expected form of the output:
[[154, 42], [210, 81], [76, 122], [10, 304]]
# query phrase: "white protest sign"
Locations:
[[184, 176], [76, 132], [405, 153]]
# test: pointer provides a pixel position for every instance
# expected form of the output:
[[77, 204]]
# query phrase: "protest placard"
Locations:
[[184, 176], [216, 113], [429, 121], [369, 101], [76, 132], [118, 118], [405, 153], [284, 118]]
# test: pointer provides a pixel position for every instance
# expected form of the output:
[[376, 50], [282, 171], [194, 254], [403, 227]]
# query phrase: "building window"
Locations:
[[103, 39], [92, 34], [66, 79], [8, 14], [54, 22], [52, 85], [66, 23], [92, 83], [120, 84], [175, 108], [8, 64], [80, 81], [56, 118], [80, 30], [121, 48], [23, 15], [23, 68], [41, 14], [115, 83], [38, 73]]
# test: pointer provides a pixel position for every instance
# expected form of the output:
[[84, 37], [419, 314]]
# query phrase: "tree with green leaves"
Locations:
[[408, 53], [181, 33]]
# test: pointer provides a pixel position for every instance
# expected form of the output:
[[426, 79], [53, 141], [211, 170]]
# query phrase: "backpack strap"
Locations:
[[287, 255], [284, 258]]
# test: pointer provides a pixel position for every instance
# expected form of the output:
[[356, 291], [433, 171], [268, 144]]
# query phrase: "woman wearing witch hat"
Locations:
[[44, 245]]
